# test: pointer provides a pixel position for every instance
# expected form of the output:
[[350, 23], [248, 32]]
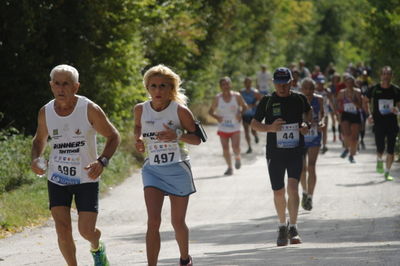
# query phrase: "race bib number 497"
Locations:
[[164, 153]]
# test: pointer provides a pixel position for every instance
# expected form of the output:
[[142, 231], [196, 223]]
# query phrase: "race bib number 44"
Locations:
[[385, 106], [289, 136], [163, 153]]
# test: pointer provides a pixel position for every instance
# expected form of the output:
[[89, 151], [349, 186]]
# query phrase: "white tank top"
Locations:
[[158, 152], [228, 111], [73, 144]]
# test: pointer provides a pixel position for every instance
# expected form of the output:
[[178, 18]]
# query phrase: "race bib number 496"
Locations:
[[288, 136], [66, 170], [163, 153]]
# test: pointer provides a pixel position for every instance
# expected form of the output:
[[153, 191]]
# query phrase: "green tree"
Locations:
[[383, 30], [98, 38]]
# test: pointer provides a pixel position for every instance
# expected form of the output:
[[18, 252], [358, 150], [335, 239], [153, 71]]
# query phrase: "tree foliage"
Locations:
[[112, 42], [383, 29]]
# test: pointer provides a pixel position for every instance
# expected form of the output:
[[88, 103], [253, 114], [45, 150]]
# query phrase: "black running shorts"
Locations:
[[281, 160], [86, 196], [386, 132], [351, 118], [247, 118]]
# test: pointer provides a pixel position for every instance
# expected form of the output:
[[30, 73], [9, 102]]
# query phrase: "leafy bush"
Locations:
[[26, 201], [15, 161]]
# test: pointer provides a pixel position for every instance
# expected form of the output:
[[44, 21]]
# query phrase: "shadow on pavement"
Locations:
[[326, 242], [370, 183]]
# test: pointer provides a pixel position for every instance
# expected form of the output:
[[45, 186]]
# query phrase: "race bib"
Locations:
[[311, 135], [288, 136], [385, 106], [66, 170], [163, 153], [350, 108], [229, 122]]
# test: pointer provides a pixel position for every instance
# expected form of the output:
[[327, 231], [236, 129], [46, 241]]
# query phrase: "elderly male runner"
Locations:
[[71, 121]]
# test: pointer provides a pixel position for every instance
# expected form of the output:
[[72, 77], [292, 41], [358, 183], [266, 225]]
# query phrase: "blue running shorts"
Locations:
[[173, 179]]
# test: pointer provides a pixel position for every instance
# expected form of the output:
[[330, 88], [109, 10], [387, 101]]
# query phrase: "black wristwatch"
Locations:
[[103, 160]]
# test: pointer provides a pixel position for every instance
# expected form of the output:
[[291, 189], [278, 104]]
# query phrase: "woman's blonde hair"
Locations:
[[177, 93]]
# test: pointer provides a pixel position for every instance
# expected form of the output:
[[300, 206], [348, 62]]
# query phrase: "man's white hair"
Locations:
[[68, 69]]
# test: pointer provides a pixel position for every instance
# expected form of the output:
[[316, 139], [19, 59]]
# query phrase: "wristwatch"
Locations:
[[103, 160], [178, 133]]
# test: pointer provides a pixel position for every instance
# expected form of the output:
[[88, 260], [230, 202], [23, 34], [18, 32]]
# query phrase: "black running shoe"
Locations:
[[351, 159], [256, 139], [238, 163], [189, 263], [294, 236], [282, 236], [228, 171], [303, 200], [344, 153], [308, 204], [249, 150]]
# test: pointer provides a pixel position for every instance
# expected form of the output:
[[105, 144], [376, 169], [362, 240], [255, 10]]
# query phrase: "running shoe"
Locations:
[[190, 263], [294, 236], [388, 177], [282, 236], [324, 150], [303, 200], [99, 256], [256, 139], [228, 171], [351, 159], [344, 153], [249, 150], [238, 163], [379, 167], [308, 204]]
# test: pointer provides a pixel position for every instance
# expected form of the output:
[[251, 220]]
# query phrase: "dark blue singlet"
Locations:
[[249, 98], [314, 140]]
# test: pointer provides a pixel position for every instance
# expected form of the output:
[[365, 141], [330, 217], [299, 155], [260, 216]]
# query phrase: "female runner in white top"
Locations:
[[228, 107], [159, 131]]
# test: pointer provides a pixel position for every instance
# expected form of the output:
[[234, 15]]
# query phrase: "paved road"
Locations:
[[355, 220]]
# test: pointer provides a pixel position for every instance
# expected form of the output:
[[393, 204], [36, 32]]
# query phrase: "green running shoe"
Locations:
[[99, 256], [388, 177], [379, 167]]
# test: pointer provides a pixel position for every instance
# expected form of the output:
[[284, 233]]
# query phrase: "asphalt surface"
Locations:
[[232, 220]]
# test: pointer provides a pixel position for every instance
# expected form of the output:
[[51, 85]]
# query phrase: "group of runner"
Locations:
[[295, 123], [294, 112], [162, 125]]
